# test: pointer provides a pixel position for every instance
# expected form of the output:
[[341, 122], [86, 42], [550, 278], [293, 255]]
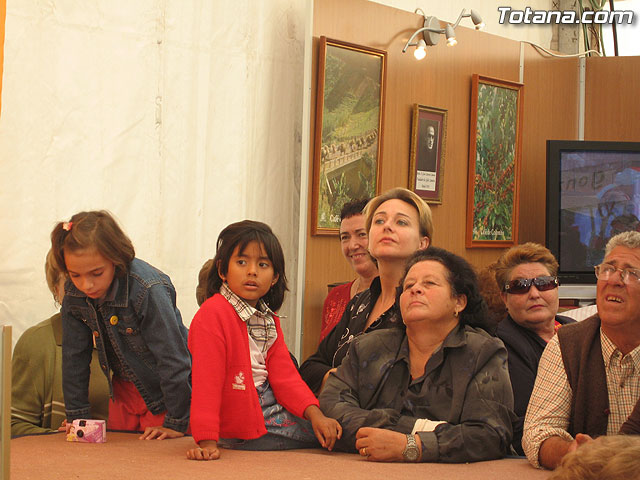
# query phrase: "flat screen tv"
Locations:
[[593, 192]]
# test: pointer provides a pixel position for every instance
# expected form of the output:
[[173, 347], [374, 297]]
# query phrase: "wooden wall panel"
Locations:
[[612, 99], [550, 113], [442, 79]]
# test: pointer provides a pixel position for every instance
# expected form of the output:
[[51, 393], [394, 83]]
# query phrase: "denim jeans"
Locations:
[[285, 431]]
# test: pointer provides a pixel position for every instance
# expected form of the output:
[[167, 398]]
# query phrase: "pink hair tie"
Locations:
[[67, 226]]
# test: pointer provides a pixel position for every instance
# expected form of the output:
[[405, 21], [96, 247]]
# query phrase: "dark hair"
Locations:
[[93, 229], [53, 274], [352, 208], [203, 277], [240, 234], [462, 280], [492, 294]]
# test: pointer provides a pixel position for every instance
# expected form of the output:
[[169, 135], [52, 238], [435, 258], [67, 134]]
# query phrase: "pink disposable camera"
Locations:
[[88, 431]]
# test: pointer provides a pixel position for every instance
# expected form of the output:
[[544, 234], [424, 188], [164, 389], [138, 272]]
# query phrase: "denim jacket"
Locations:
[[144, 326]]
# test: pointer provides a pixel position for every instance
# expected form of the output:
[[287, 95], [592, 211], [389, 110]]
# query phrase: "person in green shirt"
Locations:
[[37, 402]]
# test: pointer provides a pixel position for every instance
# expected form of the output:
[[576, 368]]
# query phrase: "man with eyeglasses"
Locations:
[[588, 381]]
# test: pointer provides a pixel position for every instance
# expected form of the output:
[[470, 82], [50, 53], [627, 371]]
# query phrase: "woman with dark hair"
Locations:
[[353, 242], [435, 391]]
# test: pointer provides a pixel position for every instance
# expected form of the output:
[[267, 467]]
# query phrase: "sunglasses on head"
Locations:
[[523, 285]]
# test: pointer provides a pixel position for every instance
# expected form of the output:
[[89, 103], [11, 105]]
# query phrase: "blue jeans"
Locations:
[[285, 431]]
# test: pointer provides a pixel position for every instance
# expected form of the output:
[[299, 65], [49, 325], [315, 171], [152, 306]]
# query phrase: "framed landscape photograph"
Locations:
[[428, 146], [348, 129], [494, 162]]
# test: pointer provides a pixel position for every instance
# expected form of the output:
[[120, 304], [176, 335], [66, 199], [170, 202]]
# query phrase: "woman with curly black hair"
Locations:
[[437, 390]]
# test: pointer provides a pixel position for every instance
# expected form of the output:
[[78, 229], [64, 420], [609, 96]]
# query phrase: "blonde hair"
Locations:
[[611, 457], [424, 212]]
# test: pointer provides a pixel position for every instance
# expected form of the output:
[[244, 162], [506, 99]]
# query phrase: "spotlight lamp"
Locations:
[[421, 50], [431, 32], [476, 19], [451, 36]]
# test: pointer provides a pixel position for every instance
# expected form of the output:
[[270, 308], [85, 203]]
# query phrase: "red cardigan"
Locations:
[[224, 401]]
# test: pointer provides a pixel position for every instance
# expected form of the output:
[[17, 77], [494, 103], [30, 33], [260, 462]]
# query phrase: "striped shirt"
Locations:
[[550, 404]]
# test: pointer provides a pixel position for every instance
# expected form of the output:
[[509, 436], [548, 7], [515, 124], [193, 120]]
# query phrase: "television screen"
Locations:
[[593, 193]]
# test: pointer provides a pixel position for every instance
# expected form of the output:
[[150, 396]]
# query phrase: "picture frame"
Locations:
[[348, 129], [428, 152], [495, 149]]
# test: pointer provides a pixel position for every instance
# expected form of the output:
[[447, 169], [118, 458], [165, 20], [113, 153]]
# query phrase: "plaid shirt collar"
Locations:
[[244, 310], [261, 326], [609, 349]]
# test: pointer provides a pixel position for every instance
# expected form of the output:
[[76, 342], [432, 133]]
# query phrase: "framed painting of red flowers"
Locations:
[[495, 143]]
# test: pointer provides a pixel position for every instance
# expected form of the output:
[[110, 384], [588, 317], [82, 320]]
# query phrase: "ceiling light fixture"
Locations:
[[431, 32]]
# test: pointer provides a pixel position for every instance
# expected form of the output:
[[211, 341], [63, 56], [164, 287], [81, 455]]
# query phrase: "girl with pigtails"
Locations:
[[127, 309]]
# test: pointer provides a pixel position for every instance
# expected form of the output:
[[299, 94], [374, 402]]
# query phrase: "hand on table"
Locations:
[[380, 445], [160, 433], [207, 450]]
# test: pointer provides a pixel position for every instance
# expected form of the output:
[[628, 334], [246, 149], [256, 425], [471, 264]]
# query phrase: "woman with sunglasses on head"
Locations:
[[526, 274]]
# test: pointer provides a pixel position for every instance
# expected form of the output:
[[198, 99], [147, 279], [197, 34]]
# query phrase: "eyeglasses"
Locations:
[[628, 275], [523, 285]]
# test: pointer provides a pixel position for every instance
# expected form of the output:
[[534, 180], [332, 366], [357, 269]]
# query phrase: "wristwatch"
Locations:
[[411, 452]]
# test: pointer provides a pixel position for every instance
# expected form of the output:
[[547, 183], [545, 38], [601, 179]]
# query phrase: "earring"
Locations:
[[455, 313]]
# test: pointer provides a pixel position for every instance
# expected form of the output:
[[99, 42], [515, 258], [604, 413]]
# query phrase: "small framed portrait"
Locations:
[[428, 146]]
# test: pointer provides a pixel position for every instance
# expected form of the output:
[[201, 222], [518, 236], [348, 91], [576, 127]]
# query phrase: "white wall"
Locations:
[[179, 116], [628, 35]]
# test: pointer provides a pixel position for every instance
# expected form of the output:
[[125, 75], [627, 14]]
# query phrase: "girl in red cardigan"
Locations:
[[247, 392]]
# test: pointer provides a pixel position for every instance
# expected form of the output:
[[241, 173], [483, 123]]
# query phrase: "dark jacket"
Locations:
[[335, 345], [466, 384], [524, 348]]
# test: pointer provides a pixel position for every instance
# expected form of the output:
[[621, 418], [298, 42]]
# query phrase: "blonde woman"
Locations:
[[398, 223]]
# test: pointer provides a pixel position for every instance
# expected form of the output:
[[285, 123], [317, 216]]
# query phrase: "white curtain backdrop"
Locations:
[[178, 116]]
